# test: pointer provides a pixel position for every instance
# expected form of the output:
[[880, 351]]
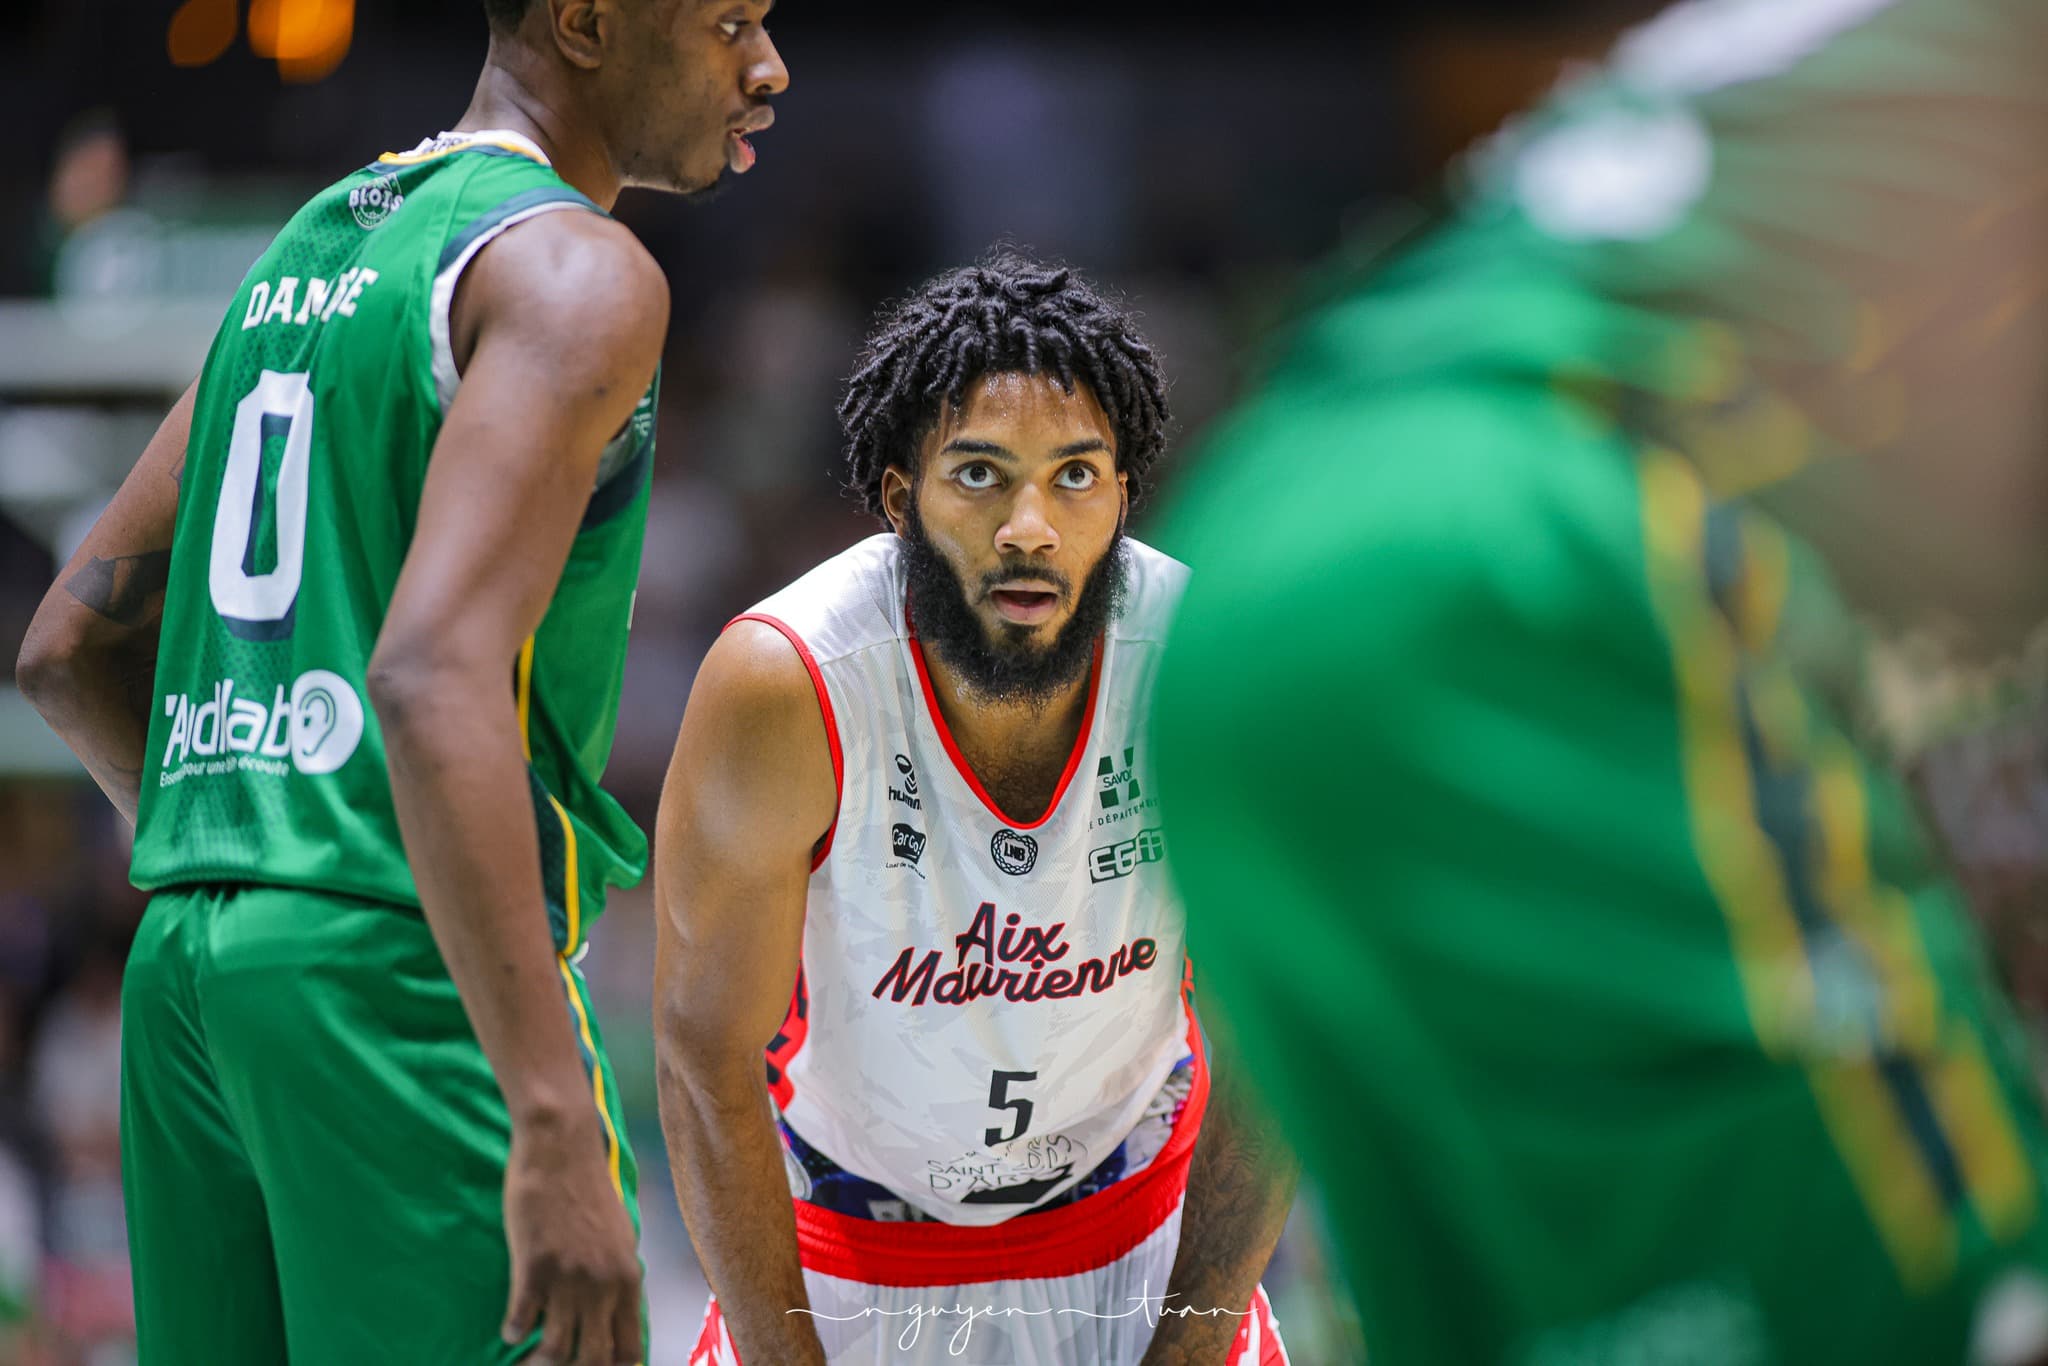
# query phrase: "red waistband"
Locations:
[[1090, 1233]]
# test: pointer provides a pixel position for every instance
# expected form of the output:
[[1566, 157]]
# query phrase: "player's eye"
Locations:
[[978, 475], [732, 28], [1077, 476]]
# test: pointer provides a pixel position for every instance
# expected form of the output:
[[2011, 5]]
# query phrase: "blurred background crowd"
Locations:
[[1197, 163]]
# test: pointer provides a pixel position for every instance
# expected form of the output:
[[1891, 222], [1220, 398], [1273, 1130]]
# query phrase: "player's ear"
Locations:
[[578, 28], [897, 490], [1123, 499]]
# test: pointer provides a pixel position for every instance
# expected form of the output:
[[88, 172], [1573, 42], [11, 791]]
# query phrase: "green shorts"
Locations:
[[1605, 980], [313, 1146]]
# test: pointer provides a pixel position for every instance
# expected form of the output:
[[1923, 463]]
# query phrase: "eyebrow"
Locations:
[[967, 445]]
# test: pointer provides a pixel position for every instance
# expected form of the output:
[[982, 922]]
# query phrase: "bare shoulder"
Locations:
[[575, 279], [754, 671], [753, 763]]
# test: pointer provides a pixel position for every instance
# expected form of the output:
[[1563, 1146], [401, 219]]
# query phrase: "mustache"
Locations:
[[1009, 572]]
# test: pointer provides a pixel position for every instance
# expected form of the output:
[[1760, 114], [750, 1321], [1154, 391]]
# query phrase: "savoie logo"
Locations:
[[375, 202], [313, 728]]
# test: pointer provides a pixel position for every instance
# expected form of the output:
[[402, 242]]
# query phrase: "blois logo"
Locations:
[[373, 203]]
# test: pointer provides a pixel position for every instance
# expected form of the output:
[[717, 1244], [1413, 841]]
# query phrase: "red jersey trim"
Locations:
[[931, 704], [789, 1041], [831, 724], [1068, 1241]]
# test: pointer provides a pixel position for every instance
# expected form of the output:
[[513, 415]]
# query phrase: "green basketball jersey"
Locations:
[[1602, 969], [318, 408]]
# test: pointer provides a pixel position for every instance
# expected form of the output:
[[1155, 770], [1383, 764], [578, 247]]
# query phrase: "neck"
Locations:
[[519, 92], [1002, 735]]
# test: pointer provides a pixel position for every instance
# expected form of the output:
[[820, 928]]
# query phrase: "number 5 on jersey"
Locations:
[[259, 525], [999, 1098]]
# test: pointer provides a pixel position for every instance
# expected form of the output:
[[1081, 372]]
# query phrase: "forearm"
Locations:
[[1240, 1187], [97, 698], [734, 1192], [98, 704], [460, 788]]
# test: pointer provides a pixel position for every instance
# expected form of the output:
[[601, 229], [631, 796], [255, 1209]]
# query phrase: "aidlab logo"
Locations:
[[316, 727]]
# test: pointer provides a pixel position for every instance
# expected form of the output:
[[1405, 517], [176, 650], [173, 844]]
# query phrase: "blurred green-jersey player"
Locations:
[[1514, 741]]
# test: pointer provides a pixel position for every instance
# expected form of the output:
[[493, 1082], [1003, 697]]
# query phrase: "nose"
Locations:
[[1027, 530], [766, 75]]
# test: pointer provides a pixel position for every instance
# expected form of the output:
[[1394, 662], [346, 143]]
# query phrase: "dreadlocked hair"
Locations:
[[1006, 313]]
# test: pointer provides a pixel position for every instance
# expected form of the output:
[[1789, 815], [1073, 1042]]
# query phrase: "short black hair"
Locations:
[[1006, 313], [505, 15]]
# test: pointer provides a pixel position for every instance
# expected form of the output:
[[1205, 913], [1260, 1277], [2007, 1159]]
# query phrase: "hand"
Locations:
[[575, 1268]]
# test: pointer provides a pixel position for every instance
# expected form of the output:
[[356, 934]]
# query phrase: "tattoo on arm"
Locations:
[[120, 589]]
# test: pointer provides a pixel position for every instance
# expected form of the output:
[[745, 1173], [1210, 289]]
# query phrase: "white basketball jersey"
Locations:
[[986, 1005]]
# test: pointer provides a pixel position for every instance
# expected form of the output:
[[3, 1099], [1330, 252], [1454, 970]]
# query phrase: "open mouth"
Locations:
[[1025, 606], [739, 153]]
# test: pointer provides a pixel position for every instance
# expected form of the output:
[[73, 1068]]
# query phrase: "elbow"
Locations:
[[703, 1059], [392, 686], [46, 667], [404, 681], [679, 1043]]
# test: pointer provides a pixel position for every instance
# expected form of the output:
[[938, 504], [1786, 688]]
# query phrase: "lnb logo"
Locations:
[[1014, 853]]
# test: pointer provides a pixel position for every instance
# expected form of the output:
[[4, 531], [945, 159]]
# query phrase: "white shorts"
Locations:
[[1081, 1285]]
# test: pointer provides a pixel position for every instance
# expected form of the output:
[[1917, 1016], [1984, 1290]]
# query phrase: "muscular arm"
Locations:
[[748, 795], [88, 663], [1239, 1189], [562, 320]]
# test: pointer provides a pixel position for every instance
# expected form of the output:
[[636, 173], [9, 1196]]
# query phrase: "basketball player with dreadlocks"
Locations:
[[911, 784]]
